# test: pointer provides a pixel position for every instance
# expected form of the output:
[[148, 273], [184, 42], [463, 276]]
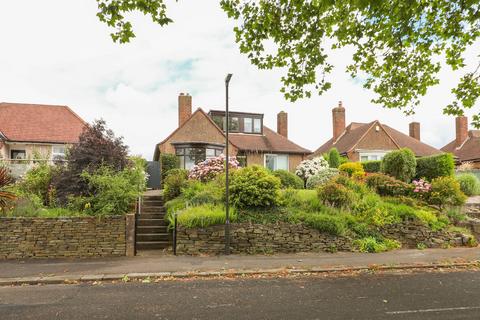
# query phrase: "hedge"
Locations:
[[372, 166], [441, 165]]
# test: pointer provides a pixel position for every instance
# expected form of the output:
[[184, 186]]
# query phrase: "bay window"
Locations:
[[191, 154], [276, 161]]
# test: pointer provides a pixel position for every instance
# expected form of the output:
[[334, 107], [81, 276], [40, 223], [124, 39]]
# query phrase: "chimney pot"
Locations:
[[184, 108], [414, 130], [338, 117], [461, 128], [282, 123]]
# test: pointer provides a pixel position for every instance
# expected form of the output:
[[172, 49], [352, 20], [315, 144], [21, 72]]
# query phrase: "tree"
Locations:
[[333, 158], [398, 45]]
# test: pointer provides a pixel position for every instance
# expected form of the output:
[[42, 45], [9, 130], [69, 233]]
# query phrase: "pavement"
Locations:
[[16, 272], [395, 295]]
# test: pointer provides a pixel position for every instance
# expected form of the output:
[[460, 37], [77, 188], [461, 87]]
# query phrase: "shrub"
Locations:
[[254, 187], [197, 193], [373, 245], [446, 192], [387, 186], [174, 182], [38, 181], [432, 167], [288, 179], [321, 178], [372, 166], [203, 216], [400, 164], [331, 224], [356, 186], [309, 168], [333, 158], [207, 170], [351, 167], [5, 180], [168, 162], [335, 195], [469, 184]]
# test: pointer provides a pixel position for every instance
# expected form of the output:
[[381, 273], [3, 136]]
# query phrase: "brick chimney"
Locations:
[[338, 117], [184, 108], [282, 123], [414, 130], [461, 126]]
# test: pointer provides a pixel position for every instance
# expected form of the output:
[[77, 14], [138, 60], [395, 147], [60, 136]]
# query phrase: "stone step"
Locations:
[[153, 198], [151, 222], [151, 216], [152, 209], [151, 229], [152, 203], [153, 237], [149, 245]]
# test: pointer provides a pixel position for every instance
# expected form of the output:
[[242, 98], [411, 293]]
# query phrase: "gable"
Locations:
[[376, 140], [197, 129]]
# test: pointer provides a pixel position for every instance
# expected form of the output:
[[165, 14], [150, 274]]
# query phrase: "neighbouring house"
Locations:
[[31, 133], [466, 146], [201, 135], [371, 141]]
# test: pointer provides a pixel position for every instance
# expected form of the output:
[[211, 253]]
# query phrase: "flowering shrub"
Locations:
[[311, 167], [421, 186], [388, 186], [351, 168], [210, 168], [321, 178]]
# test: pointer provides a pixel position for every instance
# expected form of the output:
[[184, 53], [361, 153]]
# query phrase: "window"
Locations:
[[18, 154], [369, 156], [189, 156], [248, 125], [276, 161], [242, 159], [257, 125], [58, 152], [234, 124], [219, 121]]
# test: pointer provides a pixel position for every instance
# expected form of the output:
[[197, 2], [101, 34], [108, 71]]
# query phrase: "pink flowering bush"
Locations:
[[210, 168], [421, 188]]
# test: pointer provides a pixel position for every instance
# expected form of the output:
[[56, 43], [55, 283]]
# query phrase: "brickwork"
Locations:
[[62, 237], [184, 108], [461, 128], [414, 130], [282, 124], [338, 117]]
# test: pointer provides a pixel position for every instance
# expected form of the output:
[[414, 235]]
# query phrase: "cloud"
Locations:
[[58, 52]]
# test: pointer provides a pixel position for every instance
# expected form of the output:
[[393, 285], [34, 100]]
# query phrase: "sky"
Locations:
[[58, 52]]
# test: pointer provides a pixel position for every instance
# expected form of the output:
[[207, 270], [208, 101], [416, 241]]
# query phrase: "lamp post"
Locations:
[[227, 202]]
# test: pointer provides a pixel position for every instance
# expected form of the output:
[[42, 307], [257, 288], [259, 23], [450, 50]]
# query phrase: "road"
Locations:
[[439, 296]]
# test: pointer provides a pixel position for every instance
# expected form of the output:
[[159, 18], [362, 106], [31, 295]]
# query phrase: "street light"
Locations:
[[227, 204]]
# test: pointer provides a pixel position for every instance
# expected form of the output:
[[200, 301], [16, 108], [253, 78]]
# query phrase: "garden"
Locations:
[[329, 194], [98, 178]]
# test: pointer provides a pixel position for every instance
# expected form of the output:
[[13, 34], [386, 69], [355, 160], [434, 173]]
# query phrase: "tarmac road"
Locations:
[[426, 295]]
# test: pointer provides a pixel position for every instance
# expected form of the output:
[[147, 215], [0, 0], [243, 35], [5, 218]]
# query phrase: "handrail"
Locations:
[[175, 234]]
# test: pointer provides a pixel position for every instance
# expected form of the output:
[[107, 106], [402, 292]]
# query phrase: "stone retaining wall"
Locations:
[[62, 237], [472, 210], [285, 237]]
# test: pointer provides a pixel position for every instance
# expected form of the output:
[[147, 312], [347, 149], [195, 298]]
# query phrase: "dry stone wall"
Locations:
[[62, 237]]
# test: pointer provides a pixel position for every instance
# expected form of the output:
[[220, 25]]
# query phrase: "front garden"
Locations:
[[360, 202]]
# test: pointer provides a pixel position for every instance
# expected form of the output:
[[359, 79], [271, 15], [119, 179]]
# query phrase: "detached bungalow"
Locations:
[[466, 146], [201, 135], [371, 141]]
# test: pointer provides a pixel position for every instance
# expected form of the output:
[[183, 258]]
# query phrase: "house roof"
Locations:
[[21, 122], [469, 150], [355, 132], [270, 141]]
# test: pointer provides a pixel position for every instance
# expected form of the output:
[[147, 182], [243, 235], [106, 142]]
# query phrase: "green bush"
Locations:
[[469, 184], [333, 158], [373, 245], [350, 168], [358, 187], [204, 215], [400, 164], [446, 192], [38, 182], [441, 165], [387, 186], [254, 187], [336, 195], [168, 162], [321, 178], [174, 182], [373, 166], [196, 193], [288, 179]]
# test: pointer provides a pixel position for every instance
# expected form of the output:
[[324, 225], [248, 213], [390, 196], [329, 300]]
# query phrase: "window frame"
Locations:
[[185, 152], [276, 155]]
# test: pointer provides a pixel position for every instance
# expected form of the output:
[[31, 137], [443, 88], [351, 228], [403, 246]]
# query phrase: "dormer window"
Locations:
[[239, 121]]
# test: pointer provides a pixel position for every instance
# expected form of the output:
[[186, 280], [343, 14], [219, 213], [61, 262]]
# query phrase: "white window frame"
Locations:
[[60, 155], [276, 155], [372, 155]]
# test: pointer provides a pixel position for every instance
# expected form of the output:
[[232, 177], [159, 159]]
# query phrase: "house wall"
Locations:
[[196, 129], [43, 150], [374, 140], [258, 158]]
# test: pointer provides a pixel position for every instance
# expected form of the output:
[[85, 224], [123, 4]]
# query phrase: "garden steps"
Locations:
[[151, 227]]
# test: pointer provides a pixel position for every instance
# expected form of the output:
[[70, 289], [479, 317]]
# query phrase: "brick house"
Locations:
[[466, 146], [33, 132], [200, 135], [371, 141]]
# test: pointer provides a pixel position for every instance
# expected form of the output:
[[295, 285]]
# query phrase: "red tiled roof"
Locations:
[[39, 123], [270, 141], [354, 133], [469, 150]]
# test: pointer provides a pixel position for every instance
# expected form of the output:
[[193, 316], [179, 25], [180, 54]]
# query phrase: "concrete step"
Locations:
[[151, 229], [150, 216], [141, 237], [150, 245], [152, 202], [151, 222], [152, 209]]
